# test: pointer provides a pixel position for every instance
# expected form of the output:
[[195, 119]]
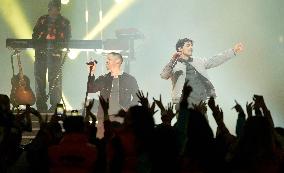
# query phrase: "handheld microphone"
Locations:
[[92, 62], [177, 58]]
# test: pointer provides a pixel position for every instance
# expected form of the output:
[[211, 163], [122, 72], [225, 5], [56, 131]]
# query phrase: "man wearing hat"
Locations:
[[52, 26]]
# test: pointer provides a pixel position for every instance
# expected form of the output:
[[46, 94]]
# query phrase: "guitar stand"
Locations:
[[55, 80]]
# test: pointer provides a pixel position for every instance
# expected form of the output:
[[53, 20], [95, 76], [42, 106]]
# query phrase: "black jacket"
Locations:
[[128, 88]]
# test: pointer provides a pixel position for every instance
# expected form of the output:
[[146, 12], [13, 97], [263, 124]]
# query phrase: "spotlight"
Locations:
[[281, 39], [118, 1], [64, 2]]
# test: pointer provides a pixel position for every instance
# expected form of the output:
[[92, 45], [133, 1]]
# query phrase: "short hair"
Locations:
[[118, 55], [180, 43], [54, 3]]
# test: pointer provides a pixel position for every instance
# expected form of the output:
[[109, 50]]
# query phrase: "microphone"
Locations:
[[92, 62], [177, 58]]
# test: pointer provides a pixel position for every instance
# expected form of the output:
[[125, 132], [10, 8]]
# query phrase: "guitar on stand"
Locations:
[[21, 92]]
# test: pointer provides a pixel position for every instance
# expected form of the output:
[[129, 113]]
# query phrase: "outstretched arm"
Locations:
[[223, 56], [241, 118], [218, 116]]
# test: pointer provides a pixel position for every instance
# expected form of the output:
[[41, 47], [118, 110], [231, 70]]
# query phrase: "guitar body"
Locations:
[[21, 93]]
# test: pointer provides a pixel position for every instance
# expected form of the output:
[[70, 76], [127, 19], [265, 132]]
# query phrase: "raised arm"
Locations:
[[167, 71], [94, 85], [241, 118], [223, 56]]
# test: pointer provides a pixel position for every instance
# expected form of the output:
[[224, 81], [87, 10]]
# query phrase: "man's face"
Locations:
[[111, 62], [53, 12], [186, 50]]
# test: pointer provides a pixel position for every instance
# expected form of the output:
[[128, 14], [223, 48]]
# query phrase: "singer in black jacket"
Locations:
[[119, 87]]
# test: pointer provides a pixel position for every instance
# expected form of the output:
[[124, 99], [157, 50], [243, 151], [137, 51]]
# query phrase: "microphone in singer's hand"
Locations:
[[92, 62]]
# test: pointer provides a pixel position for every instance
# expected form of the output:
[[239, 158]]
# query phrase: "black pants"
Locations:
[[51, 61]]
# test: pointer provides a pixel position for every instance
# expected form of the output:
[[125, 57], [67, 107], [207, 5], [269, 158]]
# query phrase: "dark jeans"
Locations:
[[52, 61]]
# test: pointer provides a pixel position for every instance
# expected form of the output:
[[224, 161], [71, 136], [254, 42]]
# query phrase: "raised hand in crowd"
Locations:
[[211, 103], [241, 118], [259, 105], [201, 107], [239, 110], [218, 115], [105, 106], [238, 107], [249, 108], [186, 90], [144, 101], [168, 115], [152, 108], [89, 113], [160, 104]]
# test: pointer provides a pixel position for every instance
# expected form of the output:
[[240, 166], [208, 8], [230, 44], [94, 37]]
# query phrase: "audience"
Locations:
[[137, 144]]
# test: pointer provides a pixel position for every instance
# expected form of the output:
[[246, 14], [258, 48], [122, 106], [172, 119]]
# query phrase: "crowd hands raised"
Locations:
[[140, 145]]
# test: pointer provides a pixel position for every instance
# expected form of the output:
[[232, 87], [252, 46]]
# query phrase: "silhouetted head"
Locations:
[[257, 141], [4, 103], [140, 119], [73, 124], [199, 132]]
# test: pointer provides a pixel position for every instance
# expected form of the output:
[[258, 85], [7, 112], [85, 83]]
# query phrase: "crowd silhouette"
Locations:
[[139, 145]]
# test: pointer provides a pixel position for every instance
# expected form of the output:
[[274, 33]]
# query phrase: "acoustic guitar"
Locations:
[[21, 93]]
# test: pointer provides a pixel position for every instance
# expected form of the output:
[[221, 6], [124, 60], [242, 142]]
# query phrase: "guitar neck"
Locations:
[[21, 73]]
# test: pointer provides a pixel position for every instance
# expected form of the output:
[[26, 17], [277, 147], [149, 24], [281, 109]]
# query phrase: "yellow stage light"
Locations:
[[16, 19], [64, 2], [118, 1]]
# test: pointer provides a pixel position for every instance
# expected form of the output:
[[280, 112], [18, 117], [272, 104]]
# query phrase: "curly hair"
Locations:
[[180, 43]]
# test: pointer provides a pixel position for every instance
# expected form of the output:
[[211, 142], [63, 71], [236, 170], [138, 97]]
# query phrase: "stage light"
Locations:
[[281, 39], [13, 14], [64, 2], [118, 1], [111, 15]]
